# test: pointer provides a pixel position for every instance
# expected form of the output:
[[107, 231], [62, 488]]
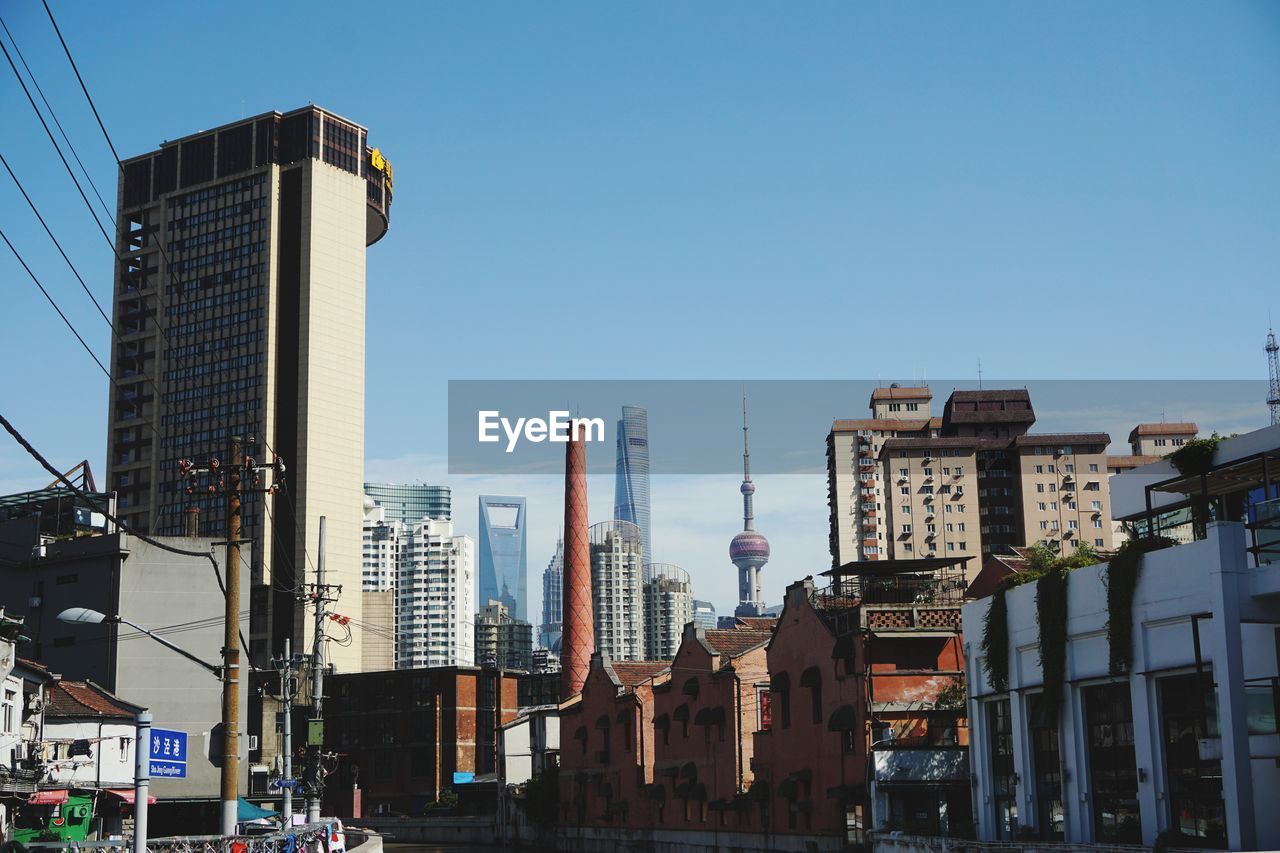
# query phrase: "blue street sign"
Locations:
[[463, 777], [168, 752]]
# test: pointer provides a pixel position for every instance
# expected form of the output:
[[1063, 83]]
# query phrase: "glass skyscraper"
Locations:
[[409, 504], [631, 488], [502, 553]]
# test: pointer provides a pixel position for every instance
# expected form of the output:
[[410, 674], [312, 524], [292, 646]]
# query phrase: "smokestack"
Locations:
[[192, 515], [579, 637]]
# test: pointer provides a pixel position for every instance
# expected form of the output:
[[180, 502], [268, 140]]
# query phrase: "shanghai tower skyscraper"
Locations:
[[631, 489]]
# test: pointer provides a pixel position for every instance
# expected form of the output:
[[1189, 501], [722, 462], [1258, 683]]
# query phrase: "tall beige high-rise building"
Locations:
[[240, 304], [903, 484]]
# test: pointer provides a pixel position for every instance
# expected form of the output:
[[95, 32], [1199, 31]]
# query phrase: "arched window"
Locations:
[[812, 679], [780, 688]]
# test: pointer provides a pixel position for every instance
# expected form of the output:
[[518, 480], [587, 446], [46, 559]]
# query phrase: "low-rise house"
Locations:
[[89, 737]]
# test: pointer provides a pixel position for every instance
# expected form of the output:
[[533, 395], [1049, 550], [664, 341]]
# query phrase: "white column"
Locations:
[[1228, 583]]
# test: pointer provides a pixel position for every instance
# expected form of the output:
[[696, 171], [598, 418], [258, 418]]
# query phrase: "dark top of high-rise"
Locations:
[[252, 143]]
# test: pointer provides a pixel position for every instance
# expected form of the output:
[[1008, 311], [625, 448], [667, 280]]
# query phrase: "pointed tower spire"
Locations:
[[749, 550], [748, 488]]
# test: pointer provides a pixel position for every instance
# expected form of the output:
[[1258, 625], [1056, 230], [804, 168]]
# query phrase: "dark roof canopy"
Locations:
[[895, 567]]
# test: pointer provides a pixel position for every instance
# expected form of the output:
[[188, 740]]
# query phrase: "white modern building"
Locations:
[[435, 597], [1185, 738], [668, 606], [380, 554], [617, 594]]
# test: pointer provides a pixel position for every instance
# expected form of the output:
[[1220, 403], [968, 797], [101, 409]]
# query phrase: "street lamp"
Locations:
[[142, 762], [85, 616]]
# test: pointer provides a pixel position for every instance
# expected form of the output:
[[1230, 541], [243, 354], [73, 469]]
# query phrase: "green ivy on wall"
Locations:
[[1121, 579], [1048, 571]]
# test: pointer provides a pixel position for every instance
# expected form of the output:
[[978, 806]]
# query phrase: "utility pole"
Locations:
[[319, 594], [239, 464], [231, 649], [286, 666]]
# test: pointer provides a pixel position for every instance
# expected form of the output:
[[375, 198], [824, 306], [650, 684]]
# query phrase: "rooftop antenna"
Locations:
[[979, 374], [1273, 369], [748, 515]]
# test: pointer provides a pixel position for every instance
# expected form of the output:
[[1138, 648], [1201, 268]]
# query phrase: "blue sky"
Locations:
[[713, 190]]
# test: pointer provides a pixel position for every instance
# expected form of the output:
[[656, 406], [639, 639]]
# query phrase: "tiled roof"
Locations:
[[84, 698], [634, 672], [758, 623], [736, 641], [992, 394], [882, 424], [1164, 429], [907, 442], [1119, 462], [1053, 438], [913, 392]]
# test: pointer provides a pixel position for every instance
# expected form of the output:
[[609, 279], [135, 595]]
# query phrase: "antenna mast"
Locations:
[[1273, 369]]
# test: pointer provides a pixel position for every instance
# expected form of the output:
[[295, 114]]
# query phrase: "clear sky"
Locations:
[[712, 190]]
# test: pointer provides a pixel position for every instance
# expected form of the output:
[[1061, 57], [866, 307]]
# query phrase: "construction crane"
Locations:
[[86, 473]]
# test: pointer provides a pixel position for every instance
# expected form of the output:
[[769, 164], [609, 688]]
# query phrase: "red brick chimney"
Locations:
[[579, 637]]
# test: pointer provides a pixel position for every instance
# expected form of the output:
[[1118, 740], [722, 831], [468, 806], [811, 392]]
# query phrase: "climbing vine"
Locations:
[[1196, 456], [1121, 579], [1048, 571], [1051, 616], [995, 640]]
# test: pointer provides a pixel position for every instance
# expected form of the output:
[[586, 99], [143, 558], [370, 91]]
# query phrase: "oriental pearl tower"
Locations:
[[749, 550]]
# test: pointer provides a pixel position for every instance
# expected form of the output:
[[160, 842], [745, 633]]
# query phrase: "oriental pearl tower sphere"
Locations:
[[749, 550]]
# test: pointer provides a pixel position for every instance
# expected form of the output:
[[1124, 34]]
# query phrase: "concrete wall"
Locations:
[[156, 589]]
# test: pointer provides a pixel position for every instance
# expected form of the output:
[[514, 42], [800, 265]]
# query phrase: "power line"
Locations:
[[44, 463], [57, 123], [47, 230], [92, 355], [80, 79], [289, 502], [57, 148]]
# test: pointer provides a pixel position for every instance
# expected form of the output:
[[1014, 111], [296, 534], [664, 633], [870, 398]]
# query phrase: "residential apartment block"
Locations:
[[435, 597], [903, 484], [617, 589], [668, 607]]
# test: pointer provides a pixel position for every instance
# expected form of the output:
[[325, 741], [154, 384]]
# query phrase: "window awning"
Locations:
[[709, 716], [811, 677], [681, 714], [128, 795], [48, 798], [843, 719]]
